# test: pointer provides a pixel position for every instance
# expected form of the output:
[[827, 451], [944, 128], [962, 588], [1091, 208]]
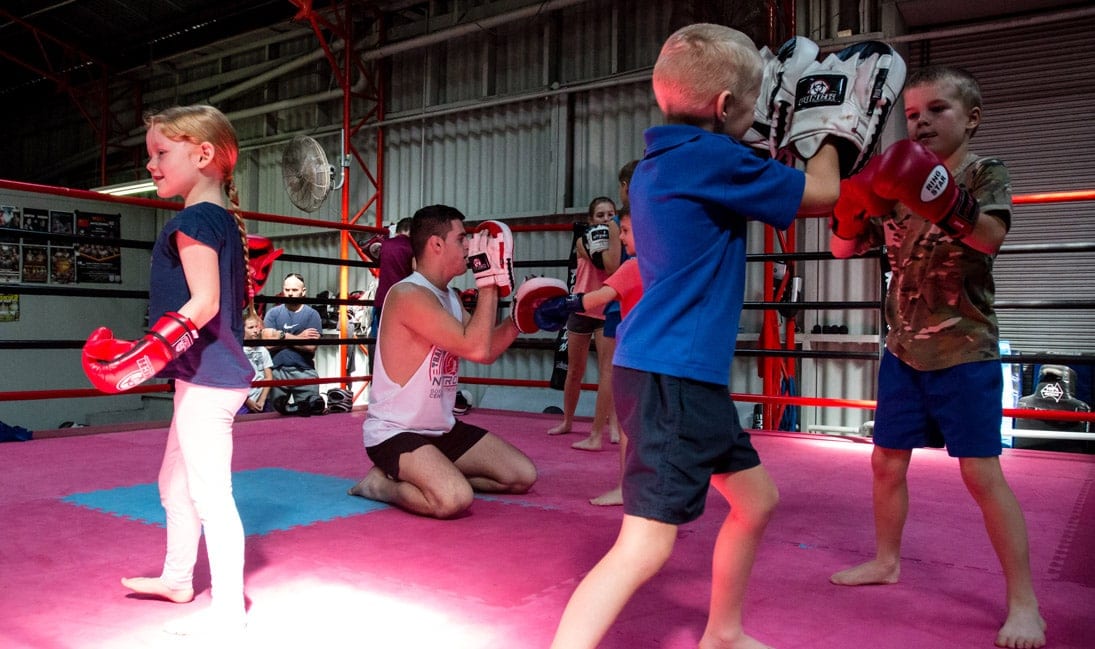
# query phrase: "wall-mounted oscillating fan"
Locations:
[[309, 178]]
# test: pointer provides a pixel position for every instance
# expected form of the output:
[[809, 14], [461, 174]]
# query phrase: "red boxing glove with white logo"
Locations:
[[910, 173], [115, 365]]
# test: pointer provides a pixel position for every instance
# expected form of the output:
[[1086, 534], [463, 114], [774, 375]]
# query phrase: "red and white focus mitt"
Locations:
[[261, 255], [849, 95], [115, 365], [490, 256], [528, 299]]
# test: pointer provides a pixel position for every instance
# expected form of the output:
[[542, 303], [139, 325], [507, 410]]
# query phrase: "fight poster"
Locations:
[[98, 262], [62, 265], [9, 259], [35, 264], [9, 307], [35, 221], [60, 223], [10, 218]]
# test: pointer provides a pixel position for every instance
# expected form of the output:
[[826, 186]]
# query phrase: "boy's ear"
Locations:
[[722, 104], [973, 118]]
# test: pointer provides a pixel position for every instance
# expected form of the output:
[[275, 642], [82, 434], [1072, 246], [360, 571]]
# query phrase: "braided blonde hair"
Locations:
[[197, 124]]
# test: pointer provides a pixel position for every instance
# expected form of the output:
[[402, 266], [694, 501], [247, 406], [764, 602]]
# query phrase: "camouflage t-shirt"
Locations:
[[939, 306]]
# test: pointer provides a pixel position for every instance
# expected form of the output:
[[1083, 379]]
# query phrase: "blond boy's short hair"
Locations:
[[699, 61]]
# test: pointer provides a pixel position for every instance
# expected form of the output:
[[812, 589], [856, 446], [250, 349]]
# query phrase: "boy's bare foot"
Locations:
[[614, 436], [1024, 629], [591, 443], [608, 498], [560, 429], [368, 487], [154, 587], [871, 572]]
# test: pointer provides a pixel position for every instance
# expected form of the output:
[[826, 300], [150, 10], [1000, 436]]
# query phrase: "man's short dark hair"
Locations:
[[429, 221]]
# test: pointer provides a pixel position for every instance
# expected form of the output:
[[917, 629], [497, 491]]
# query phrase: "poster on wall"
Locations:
[[9, 260], [9, 307], [10, 218], [35, 264], [62, 266], [98, 262], [35, 220], [60, 223]]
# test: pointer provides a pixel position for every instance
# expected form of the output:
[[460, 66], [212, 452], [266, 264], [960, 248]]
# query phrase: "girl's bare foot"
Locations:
[[871, 572], [1024, 629], [155, 587], [591, 443], [608, 498], [738, 641], [561, 429]]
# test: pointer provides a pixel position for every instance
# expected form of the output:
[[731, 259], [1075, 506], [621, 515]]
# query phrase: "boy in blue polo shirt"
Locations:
[[691, 197]]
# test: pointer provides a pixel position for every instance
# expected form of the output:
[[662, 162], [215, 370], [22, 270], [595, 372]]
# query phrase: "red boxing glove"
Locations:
[[260, 258], [118, 365], [857, 203], [469, 297], [910, 173]]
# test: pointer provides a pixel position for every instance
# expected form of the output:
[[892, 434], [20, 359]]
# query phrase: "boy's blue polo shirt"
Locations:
[[691, 197]]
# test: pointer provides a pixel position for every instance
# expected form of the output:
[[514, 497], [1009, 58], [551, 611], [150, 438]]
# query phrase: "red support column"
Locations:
[[341, 26]]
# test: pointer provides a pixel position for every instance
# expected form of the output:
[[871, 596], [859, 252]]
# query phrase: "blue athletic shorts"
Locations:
[[452, 445], [680, 432], [959, 407]]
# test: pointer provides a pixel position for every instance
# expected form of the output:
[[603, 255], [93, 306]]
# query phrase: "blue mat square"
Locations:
[[269, 500]]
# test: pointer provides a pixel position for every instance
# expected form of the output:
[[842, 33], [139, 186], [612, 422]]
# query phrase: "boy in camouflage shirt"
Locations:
[[942, 214]]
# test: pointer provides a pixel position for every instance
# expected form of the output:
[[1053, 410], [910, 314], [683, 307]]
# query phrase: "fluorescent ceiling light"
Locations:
[[125, 189]]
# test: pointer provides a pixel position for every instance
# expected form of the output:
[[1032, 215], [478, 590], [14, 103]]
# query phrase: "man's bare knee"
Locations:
[[523, 479], [452, 503]]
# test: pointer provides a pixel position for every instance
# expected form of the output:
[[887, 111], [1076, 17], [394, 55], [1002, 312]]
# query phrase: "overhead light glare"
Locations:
[[127, 189]]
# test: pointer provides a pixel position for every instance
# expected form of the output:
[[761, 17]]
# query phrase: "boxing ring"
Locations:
[[80, 509], [776, 350]]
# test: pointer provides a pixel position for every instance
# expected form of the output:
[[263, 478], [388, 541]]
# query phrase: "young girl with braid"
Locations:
[[200, 282]]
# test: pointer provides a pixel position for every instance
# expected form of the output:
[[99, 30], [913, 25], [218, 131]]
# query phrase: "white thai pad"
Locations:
[[775, 103], [848, 95]]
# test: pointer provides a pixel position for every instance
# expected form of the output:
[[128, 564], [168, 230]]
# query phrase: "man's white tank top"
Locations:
[[424, 404]]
